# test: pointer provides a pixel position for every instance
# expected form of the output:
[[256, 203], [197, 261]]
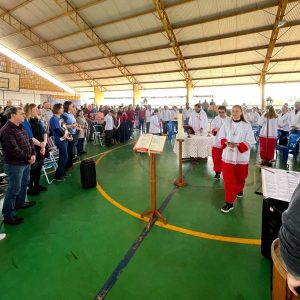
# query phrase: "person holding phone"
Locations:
[[236, 137]]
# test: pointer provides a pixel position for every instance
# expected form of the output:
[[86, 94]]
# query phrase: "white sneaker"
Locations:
[[2, 236]]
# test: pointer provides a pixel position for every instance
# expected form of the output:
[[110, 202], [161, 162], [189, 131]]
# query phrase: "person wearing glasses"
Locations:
[[217, 150]]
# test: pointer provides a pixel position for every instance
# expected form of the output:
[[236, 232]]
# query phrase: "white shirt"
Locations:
[[294, 119], [174, 115], [186, 113], [236, 132], [217, 123], [109, 122], [272, 127], [283, 123], [165, 115], [253, 118], [154, 124], [46, 115], [148, 115], [199, 121]]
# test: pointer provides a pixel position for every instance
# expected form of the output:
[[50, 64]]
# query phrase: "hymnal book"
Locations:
[[189, 129], [150, 143], [279, 184]]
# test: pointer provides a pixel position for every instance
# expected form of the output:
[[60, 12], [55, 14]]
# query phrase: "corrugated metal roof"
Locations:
[[218, 38]]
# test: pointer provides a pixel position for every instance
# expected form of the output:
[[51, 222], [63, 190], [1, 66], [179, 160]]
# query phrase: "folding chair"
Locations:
[[51, 161], [98, 134]]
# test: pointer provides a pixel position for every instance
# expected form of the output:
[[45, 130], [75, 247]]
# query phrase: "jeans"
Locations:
[[70, 147], [80, 145], [141, 124], [18, 179], [75, 139], [63, 159], [130, 128], [108, 137]]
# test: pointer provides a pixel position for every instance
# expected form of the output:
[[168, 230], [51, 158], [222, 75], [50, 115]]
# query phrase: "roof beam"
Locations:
[[52, 51], [192, 42], [179, 70], [16, 7], [241, 50], [179, 25], [274, 35], [200, 78], [179, 2], [231, 84], [95, 39], [199, 69], [160, 9], [87, 5]]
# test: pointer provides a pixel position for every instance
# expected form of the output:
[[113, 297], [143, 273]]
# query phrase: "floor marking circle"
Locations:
[[168, 226]]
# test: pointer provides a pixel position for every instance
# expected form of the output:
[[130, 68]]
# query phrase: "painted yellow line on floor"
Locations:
[[198, 234], [120, 206]]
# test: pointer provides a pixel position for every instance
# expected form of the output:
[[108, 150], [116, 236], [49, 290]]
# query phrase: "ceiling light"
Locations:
[[281, 23], [34, 68]]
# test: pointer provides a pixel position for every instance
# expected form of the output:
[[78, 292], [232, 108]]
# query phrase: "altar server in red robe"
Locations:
[[236, 137]]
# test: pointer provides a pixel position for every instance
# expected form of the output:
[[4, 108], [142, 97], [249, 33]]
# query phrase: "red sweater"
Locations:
[[130, 115], [142, 114]]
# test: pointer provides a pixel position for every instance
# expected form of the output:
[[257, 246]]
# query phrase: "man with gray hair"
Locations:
[[294, 119], [19, 154]]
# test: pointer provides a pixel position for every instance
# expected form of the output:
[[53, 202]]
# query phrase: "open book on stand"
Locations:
[[279, 184], [150, 143]]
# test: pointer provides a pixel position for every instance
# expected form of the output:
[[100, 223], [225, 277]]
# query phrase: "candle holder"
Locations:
[[180, 181]]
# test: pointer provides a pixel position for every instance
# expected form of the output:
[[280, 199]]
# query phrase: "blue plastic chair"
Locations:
[[292, 146], [256, 131], [171, 132]]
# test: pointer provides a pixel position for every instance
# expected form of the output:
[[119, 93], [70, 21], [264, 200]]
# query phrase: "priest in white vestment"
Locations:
[[198, 121]]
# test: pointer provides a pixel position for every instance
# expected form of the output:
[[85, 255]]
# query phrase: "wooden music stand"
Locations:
[[180, 181], [153, 211]]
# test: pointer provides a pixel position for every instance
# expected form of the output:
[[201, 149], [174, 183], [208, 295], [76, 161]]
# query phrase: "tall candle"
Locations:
[[180, 127]]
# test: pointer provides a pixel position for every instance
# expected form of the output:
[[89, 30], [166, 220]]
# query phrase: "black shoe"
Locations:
[[84, 152], [240, 194], [59, 178], [66, 175], [19, 218], [217, 176], [13, 221], [75, 158], [32, 192], [227, 208], [41, 188], [26, 205]]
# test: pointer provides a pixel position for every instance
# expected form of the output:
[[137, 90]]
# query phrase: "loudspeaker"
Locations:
[[271, 222]]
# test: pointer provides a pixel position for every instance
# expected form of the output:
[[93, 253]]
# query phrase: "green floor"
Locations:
[[73, 239]]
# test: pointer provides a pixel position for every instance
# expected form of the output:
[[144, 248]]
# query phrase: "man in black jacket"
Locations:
[[289, 237], [19, 154]]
